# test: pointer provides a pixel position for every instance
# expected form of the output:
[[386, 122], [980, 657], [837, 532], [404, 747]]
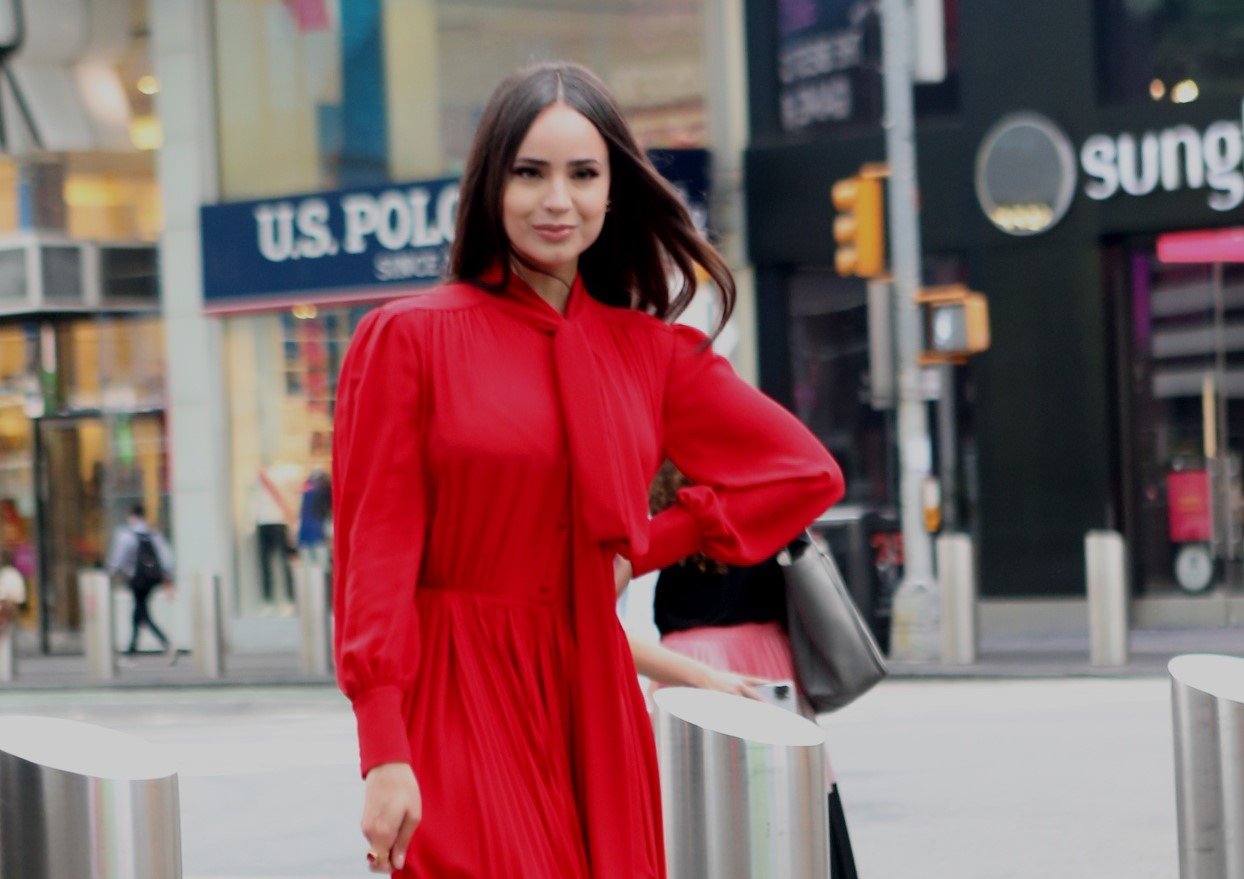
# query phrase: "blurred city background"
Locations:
[[199, 200]]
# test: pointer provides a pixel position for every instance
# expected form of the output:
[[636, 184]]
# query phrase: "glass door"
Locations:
[[90, 470], [1186, 376]]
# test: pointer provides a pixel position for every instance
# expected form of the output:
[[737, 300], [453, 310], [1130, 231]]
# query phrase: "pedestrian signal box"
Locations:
[[956, 324], [859, 226]]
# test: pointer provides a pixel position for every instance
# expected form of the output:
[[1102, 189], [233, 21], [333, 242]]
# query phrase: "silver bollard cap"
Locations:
[[739, 717], [1214, 674], [82, 749]]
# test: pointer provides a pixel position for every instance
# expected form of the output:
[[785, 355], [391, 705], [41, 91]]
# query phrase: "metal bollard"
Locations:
[[1207, 704], [1105, 556], [209, 644], [95, 596], [742, 787], [956, 574], [8, 651], [313, 647], [79, 801], [915, 622]]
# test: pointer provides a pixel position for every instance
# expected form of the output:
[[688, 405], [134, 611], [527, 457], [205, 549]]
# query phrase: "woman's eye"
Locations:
[[586, 174], [526, 172]]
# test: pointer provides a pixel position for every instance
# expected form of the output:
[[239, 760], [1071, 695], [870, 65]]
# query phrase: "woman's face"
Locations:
[[554, 203]]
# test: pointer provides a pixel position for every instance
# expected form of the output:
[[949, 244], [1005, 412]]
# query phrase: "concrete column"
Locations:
[[726, 104], [413, 93], [198, 422]]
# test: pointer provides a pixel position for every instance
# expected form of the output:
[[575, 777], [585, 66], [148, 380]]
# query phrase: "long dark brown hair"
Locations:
[[647, 231]]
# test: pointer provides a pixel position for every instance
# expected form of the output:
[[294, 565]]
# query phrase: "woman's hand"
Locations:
[[392, 809], [729, 682], [622, 573], [667, 667]]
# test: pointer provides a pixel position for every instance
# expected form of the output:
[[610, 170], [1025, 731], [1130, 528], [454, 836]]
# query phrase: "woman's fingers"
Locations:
[[380, 841], [402, 843], [745, 690], [392, 808], [388, 846], [378, 863]]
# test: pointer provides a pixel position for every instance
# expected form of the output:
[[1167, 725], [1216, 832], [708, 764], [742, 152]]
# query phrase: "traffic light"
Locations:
[[859, 227], [956, 324]]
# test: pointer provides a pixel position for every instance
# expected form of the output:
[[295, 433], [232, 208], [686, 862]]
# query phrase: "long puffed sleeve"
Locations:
[[380, 524], [759, 475]]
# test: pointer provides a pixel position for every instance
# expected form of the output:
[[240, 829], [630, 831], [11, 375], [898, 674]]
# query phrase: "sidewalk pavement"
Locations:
[[70, 672], [1013, 656], [1063, 654]]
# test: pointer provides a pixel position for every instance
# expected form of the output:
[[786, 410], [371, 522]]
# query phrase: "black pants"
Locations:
[[142, 616], [841, 858], [274, 540]]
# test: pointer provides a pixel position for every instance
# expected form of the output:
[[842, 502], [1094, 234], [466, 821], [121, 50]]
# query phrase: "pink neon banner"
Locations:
[[1203, 245]]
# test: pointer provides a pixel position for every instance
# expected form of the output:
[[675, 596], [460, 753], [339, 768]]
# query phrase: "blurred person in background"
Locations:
[[143, 559], [493, 445]]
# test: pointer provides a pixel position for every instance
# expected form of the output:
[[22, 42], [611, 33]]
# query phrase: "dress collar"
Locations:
[[520, 299]]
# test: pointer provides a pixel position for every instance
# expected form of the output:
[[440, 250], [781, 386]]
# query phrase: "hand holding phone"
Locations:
[[779, 693]]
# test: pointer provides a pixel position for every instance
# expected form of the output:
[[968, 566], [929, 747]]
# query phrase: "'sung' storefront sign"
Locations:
[[360, 245], [1028, 170], [333, 245], [822, 72], [1173, 158]]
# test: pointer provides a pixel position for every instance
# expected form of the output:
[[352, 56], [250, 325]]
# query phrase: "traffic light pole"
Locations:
[[915, 448]]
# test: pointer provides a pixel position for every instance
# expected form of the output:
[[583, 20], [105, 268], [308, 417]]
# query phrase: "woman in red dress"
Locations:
[[494, 441]]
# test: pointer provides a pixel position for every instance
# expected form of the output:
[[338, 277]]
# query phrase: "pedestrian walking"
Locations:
[[494, 441], [733, 619], [143, 559]]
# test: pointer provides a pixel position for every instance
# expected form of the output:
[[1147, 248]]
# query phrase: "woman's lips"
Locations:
[[554, 233]]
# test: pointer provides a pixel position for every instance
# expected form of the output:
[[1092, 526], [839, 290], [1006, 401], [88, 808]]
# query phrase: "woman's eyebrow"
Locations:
[[544, 163]]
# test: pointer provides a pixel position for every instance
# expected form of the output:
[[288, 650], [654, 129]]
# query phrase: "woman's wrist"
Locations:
[[699, 675], [382, 768]]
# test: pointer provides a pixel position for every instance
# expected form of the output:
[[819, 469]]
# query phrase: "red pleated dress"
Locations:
[[491, 457]]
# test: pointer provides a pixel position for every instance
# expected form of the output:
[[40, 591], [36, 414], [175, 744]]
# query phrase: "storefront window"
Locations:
[[1169, 50], [1186, 417], [111, 363], [365, 92], [18, 385], [97, 102], [94, 445], [282, 374]]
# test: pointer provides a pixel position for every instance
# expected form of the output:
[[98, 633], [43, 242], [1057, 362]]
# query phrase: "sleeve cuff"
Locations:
[[673, 535], [382, 728]]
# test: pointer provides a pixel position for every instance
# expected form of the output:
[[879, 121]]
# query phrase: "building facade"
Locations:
[[1064, 140], [83, 427]]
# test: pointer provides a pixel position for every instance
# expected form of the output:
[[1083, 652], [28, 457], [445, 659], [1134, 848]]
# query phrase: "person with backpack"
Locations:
[[142, 557]]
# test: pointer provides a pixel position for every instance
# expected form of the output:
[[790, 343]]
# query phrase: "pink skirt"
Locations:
[[761, 650], [758, 649]]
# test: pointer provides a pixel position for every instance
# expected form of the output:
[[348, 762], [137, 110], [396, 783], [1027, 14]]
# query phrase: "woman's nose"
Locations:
[[557, 198]]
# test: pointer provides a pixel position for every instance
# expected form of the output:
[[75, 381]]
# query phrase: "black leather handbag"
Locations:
[[837, 660]]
